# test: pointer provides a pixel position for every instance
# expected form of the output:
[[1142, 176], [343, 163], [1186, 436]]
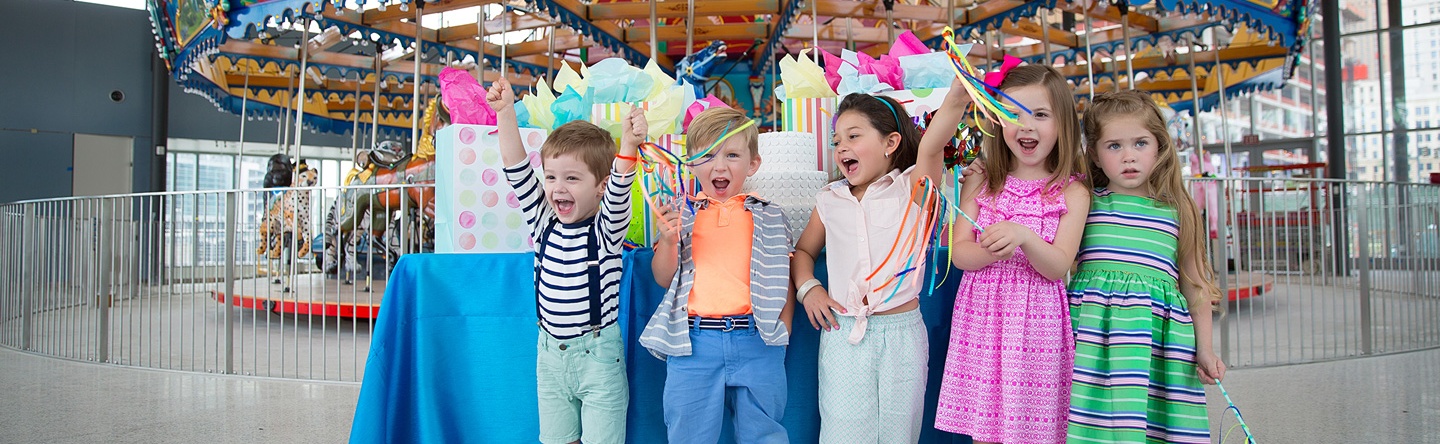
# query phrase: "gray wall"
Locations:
[[62, 60]]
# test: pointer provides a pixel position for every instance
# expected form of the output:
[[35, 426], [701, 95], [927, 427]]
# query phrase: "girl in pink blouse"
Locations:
[[873, 346]]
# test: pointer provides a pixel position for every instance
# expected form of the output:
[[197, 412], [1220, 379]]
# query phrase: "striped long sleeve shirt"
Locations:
[[563, 287]]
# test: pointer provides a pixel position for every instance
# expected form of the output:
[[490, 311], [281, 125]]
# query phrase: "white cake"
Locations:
[[788, 176]]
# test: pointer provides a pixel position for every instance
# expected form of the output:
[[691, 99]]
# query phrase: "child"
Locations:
[[873, 347], [724, 324], [577, 222], [1140, 301], [1007, 372]]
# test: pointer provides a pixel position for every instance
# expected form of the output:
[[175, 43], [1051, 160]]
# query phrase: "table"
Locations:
[[452, 357]]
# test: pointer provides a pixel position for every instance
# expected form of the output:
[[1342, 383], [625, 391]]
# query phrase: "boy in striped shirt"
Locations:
[[578, 218]]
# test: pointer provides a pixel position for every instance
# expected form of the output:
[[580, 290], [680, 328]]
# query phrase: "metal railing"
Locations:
[[1321, 269], [176, 280]]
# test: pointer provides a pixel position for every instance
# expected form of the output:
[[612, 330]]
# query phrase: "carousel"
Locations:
[[375, 70]]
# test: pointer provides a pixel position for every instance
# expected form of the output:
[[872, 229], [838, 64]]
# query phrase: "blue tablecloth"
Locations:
[[452, 358]]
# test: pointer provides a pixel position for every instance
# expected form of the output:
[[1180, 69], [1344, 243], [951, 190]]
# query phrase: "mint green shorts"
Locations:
[[582, 388]]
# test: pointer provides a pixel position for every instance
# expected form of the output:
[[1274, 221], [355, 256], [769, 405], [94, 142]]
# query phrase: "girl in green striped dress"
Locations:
[[1140, 302]]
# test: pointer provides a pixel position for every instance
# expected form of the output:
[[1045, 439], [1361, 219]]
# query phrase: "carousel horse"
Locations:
[[389, 164], [694, 70]]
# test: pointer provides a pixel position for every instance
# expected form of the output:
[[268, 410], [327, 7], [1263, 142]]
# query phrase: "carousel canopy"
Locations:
[[360, 56]]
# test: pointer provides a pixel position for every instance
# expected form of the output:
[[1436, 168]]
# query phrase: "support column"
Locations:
[[1335, 167]]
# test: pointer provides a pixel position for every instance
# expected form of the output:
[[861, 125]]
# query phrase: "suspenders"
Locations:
[[592, 265]]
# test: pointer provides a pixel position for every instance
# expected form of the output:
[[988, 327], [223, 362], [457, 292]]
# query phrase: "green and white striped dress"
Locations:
[[1135, 379]]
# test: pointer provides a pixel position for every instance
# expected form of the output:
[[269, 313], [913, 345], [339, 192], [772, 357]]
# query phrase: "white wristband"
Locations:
[[805, 288]]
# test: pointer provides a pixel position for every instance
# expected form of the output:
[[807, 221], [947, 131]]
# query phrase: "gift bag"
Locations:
[[476, 210], [815, 116]]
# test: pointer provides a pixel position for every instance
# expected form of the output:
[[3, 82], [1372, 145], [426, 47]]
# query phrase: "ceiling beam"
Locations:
[[393, 12], [874, 10], [639, 10], [703, 33], [612, 29]]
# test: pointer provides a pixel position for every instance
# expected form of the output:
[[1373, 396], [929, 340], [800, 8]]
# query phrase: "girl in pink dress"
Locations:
[[1007, 373]]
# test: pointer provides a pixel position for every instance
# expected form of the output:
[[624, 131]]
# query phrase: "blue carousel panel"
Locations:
[[1266, 81]]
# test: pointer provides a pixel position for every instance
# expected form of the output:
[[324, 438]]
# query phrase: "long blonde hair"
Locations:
[[1065, 160], [1166, 184]]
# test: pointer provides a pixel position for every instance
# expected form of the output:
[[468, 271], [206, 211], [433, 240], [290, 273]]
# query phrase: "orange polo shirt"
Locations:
[[720, 246]]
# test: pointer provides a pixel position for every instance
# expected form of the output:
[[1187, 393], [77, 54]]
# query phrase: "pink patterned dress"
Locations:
[[1007, 374]]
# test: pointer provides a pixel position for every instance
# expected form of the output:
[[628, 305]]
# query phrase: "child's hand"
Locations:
[[976, 168], [634, 129], [500, 96], [669, 224], [1210, 366], [1002, 238], [958, 97], [821, 309]]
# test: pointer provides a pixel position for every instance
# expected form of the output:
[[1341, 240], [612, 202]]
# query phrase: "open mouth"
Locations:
[[1130, 173], [564, 206], [1027, 145], [849, 166], [720, 186]]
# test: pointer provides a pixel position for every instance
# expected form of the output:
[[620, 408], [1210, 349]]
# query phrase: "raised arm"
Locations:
[[632, 134], [502, 99], [931, 159]]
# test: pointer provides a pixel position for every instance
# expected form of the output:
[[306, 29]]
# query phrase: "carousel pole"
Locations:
[[355, 131], [244, 103], [415, 106], [283, 144], [774, 101], [850, 33], [504, 39], [1224, 113], [1045, 35], [989, 40], [815, 29], [689, 28], [299, 134], [654, 44], [480, 38], [375, 100], [1089, 56], [889, 20], [1125, 33], [1195, 109], [304, 66], [950, 14], [550, 49]]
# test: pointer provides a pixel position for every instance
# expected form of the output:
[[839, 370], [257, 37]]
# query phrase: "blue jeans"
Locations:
[[734, 368]]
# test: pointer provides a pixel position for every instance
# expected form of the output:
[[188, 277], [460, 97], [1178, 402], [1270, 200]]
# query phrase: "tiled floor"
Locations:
[[47, 400], [1387, 399]]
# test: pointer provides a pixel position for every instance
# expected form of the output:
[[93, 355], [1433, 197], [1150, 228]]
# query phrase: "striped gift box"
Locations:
[[812, 116], [608, 116]]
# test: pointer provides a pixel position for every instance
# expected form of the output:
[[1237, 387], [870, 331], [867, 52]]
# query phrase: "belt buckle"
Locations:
[[729, 324]]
